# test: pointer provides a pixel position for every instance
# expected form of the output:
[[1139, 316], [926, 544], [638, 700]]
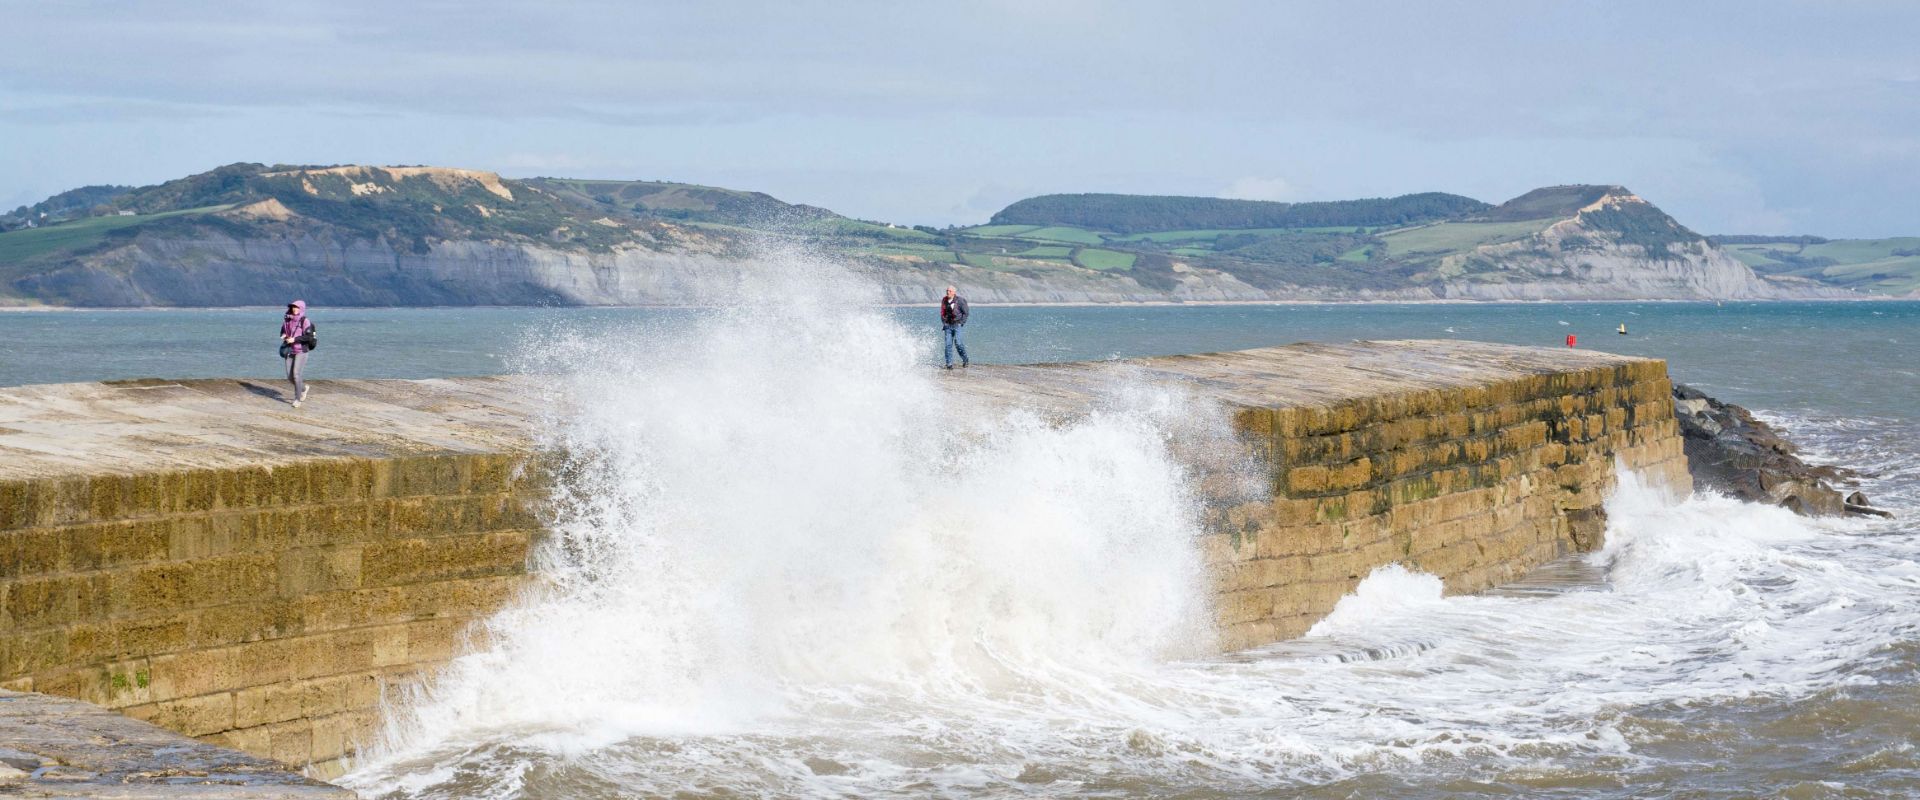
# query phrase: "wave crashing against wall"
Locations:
[[785, 563], [774, 510]]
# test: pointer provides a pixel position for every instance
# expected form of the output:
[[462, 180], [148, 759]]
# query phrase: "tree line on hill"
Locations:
[[1746, 238], [1121, 213], [85, 201]]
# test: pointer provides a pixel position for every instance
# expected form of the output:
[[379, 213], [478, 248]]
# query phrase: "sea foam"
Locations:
[[783, 563]]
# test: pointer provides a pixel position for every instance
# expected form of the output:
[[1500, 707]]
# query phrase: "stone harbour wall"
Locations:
[[1476, 485], [263, 607], [199, 555]]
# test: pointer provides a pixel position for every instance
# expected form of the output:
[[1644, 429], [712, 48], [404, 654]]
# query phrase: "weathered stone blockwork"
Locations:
[[192, 554], [261, 607], [1474, 484]]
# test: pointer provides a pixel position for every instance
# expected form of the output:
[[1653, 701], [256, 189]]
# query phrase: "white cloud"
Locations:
[[1254, 188], [547, 161], [794, 97]]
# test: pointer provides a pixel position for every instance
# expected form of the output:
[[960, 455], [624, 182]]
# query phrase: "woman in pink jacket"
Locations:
[[296, 338]]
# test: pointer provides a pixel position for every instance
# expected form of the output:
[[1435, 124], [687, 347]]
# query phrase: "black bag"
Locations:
[[307, 339]]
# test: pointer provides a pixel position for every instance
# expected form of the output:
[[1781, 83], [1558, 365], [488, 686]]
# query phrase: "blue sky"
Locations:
[[1773, 117]]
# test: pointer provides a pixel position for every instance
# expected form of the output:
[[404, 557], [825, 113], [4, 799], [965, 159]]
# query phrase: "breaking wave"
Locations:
[[784, 562]]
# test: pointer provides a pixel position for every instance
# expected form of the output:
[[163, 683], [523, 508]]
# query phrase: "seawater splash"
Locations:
[[774, 509], [785, 565]]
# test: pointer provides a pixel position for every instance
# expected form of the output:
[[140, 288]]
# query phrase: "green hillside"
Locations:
[[1342, 245], [22, 245], [1125, 214], [407, 207], [1345, 245], [1447, 237], [410, 208], [66, 205], [1349, 244], [81, 241], [1319, 256], [1549, 202], [682, 202], [1881, 266]]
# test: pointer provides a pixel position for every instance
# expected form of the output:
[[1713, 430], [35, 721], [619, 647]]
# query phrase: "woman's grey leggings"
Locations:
[[295, 363]]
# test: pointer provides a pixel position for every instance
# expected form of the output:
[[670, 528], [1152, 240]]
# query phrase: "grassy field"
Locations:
[[16, 246], [1047, 251], [927, 251], [1209, 235], [999, 230], [1062, 233], [1093, 258], [919, 247], [1870, 265], [1188, 243], [1752, 255], [1084, 236], [1856, 251], [1890, 276], [1455, 236], [853, 226]]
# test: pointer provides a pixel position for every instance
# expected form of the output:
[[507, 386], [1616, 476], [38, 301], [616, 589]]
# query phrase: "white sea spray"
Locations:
[[785, 564]]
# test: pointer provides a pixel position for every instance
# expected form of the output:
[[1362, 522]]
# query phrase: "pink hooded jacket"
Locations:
[[296, 325]]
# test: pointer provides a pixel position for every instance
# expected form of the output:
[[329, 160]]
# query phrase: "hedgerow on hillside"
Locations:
[[1120, 213]]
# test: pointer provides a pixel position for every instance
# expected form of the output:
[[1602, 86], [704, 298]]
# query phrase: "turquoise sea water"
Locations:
[[1837, 357], [778, 614]]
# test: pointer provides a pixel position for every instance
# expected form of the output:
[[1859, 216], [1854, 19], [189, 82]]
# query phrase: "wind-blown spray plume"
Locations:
[[783, 562], [777, 499]]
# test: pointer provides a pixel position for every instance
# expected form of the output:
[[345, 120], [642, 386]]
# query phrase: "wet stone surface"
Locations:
[[154, 426], [55, 747]]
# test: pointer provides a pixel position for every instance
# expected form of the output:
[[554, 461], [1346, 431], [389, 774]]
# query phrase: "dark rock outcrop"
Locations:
[[1730, 452], [1857, 503]]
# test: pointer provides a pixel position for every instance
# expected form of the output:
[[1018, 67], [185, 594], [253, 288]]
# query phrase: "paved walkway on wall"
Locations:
[[127, 427], [53, 747]]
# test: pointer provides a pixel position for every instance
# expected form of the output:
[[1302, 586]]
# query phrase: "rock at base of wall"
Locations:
[[1731, 452]]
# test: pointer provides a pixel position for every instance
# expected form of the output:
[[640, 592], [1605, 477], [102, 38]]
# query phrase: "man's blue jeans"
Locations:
[[951, 333]]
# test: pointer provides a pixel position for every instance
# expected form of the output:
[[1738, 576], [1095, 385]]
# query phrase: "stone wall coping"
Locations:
[[154, 425]]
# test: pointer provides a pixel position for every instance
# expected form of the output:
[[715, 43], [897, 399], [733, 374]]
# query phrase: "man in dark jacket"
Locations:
[[953, 317]]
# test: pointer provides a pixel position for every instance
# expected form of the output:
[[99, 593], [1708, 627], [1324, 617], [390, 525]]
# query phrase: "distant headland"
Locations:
[[412, 235]]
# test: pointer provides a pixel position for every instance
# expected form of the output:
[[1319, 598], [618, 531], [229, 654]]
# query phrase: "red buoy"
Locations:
[[1572, 340]]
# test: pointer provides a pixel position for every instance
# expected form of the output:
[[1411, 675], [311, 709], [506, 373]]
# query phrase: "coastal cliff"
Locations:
[[1576, 259], [360, 235], [220, 270]]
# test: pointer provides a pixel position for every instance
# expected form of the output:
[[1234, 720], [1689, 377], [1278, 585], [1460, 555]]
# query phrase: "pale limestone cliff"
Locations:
[[215, 271], [1574, 259], [1565, 262]]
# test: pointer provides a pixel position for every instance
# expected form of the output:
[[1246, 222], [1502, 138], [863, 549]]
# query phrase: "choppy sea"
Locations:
[[786, 568]]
